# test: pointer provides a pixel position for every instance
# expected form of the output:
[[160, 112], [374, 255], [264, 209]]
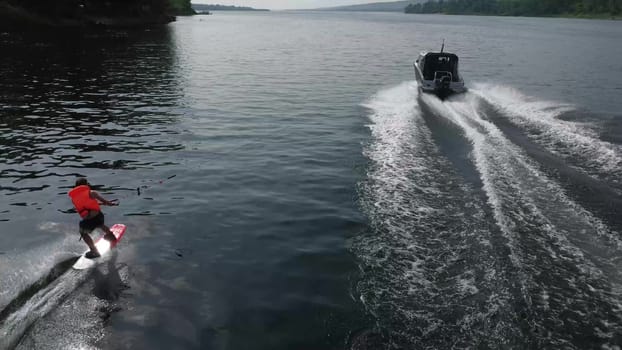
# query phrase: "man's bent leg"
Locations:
[[89, 241], [109, 235]]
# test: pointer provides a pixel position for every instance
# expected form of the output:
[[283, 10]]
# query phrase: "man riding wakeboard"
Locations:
[[87, 204]]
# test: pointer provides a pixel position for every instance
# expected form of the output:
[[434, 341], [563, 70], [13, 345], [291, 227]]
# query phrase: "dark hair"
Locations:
[[81, 181]]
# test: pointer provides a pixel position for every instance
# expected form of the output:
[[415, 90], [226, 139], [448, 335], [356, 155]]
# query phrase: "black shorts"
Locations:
[[88, 225]]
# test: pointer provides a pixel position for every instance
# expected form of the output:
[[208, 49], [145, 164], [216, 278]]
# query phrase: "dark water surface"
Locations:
[[285, 185]]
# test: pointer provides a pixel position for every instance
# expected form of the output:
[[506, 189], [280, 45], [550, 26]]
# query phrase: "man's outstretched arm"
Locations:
[[102, 200]]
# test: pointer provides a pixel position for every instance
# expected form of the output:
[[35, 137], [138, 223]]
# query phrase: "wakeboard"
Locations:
[[103, 246]]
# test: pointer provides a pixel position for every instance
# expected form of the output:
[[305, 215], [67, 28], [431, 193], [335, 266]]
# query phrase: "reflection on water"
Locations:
[[72, 104], [103, 105]]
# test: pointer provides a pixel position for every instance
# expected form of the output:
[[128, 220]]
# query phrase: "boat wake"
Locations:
[[17, 322], [546, 123], [429, 263], [512, 260], [26, 305]]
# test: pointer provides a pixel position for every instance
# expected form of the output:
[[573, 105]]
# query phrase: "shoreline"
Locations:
[[606, 17]]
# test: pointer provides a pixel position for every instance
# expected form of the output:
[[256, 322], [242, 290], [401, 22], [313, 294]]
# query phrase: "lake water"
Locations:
[[285, 185]]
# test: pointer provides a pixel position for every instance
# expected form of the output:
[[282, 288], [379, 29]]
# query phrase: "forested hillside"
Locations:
[[520, 7], [16, 13]]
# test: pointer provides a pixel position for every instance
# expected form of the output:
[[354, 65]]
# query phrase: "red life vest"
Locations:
[[81, 198]]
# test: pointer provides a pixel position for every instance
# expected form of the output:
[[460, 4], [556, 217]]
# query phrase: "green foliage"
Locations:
[[520, 7], [181, 7], [81, 8]]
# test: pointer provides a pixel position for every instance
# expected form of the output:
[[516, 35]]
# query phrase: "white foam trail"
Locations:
[[503, 164], [396, 152], [568, 139], [533, 211], [24, 270], [398, 128], [405, 158], [21, 270], [424, 229], [78, 321], [16, 324], [481, 155], [433, 253], [393, 121]]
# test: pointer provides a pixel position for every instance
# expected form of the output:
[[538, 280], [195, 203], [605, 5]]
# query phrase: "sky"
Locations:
[[287, 4]]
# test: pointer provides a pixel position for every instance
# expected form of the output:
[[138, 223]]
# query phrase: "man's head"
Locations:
[[82, 181]]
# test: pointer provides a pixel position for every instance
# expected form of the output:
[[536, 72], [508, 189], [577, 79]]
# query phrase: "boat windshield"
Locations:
[[440, 62]]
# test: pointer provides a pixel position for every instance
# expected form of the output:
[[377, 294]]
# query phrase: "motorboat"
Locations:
[[437, 73]]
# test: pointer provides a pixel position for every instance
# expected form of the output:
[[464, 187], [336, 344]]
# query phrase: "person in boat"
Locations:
[[87, 204]]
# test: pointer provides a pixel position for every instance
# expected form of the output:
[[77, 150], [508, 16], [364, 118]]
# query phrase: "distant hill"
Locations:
[[395, 6], [210, 7], [578, 8]]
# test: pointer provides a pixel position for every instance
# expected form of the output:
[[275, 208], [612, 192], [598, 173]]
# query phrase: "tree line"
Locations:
[[112, 8], [519, 7]]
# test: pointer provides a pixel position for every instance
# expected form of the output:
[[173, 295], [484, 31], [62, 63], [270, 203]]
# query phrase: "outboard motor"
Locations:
[[444, 82]]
